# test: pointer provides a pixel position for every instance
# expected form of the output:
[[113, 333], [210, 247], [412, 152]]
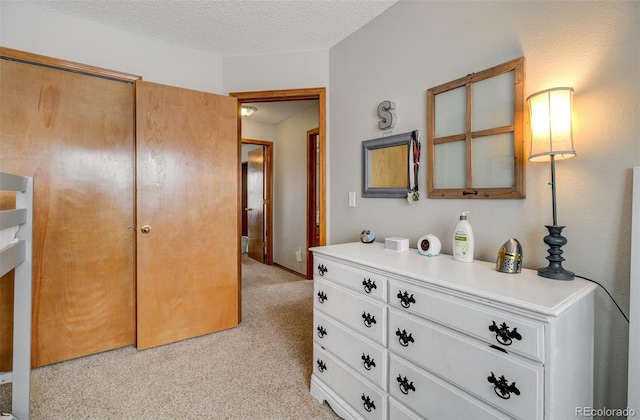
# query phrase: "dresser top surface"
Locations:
[[525, 290]]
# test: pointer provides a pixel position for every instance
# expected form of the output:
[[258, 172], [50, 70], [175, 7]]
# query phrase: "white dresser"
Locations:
[[399, 335]]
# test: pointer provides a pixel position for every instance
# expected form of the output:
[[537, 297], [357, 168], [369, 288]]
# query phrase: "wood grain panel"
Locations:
[[255, 202], [74, 133], [187, 191], [268, 195]]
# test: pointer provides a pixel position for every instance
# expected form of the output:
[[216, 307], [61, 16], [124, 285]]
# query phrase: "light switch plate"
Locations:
[[352, 199]]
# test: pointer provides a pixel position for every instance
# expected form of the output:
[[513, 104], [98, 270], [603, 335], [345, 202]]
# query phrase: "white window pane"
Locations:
[[492, 104], [493, 161], [449, 165], [450, 112]]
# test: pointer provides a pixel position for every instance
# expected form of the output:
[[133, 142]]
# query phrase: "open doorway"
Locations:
[[315, 219]]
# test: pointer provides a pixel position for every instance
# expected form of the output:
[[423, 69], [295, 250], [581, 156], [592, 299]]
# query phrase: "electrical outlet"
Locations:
[[352, 199]]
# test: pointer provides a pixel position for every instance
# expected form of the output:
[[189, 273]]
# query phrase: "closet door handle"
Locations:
[[145, 229]]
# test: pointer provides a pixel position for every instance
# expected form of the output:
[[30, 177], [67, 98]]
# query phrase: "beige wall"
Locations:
[[591, 46]]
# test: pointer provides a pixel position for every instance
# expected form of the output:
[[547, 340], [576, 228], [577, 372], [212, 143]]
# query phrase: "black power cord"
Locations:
[[603, 288]]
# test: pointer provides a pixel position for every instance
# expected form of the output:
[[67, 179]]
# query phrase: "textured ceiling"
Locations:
[[231, 27]]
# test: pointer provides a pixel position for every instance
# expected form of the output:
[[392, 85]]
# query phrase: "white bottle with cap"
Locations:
[[463, 240]]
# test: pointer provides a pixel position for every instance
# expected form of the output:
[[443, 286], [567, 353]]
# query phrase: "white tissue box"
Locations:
[[396, 244]]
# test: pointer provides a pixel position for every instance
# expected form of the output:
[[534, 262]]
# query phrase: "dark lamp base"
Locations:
[[555, 274], [554, 270]]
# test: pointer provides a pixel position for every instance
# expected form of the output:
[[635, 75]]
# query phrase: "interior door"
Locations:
[[188, 258], [74, 134], [255, 204]]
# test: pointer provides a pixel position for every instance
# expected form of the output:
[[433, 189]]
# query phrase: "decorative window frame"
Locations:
[[516, 129]]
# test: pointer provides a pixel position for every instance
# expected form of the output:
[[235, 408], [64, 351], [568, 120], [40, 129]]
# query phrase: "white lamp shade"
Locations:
[[550, 119]]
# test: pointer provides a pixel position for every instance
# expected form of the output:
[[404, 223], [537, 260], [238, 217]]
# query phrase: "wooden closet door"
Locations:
[[187, 195], [74, 134]]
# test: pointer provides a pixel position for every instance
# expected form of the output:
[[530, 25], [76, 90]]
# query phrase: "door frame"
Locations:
[[313, 152], [43, 60], [318, 93], [268, 193]]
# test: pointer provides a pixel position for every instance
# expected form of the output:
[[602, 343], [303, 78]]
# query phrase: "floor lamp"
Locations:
[[551, 140]]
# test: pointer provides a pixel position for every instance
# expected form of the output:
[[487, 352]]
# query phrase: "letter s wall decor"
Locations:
[[388, 117]]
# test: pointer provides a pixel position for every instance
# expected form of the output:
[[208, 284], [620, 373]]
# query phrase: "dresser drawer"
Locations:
[[364, 315], [511, 332], [398, 411], [364, 356], [361, 281], [367, 400], [432, 397], [508, 382]]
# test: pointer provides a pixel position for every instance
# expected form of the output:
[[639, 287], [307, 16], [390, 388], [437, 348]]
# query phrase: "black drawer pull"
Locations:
[[322, 296], [502, 388], [322, 269], [369, 285], [405, 299], [503, 335], [369, 319], [404, 385], [321, 331], [368, 403], [368, 361], [321, 366], [404, 338]]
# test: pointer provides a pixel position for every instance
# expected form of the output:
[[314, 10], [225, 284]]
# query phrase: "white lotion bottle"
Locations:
[[463, 240]]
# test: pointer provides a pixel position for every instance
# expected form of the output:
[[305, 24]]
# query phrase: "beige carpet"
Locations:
[[259, 370]]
